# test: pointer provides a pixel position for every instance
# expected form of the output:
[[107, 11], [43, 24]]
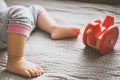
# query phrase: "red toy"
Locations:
[[101, 36]]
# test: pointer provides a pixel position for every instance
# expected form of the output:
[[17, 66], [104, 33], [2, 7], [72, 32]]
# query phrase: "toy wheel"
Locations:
[[108, 40]]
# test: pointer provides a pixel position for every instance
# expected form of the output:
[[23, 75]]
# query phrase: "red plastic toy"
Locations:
[[101, 36]]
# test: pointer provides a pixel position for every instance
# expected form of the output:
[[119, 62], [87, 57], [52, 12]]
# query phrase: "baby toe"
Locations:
[[27, 74], [77, 31], [32, 72]]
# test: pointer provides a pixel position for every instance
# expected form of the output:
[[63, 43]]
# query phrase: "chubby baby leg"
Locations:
[[48, 24], [20, 25], [57, 31], [61, 32], [16, 62]]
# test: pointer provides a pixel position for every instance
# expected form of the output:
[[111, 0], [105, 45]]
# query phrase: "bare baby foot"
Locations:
[[64, 32], [23, 67]]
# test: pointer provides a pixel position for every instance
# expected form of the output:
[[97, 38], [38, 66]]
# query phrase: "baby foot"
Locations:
[[64, 32], [23, 67]]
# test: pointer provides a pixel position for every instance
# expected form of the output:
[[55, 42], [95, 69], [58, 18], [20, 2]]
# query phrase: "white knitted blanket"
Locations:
[[68, 59]]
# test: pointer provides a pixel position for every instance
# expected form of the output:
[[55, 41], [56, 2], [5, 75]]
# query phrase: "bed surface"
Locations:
[[68, 59]]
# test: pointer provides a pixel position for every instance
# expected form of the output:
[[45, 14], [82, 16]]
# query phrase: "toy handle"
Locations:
[[109, 21]]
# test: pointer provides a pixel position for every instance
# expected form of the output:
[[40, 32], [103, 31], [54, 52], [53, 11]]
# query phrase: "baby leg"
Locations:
[[56, 31], [16, 62], [19, 28]]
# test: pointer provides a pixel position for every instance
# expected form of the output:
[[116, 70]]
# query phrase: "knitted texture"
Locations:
[[68, 59]]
